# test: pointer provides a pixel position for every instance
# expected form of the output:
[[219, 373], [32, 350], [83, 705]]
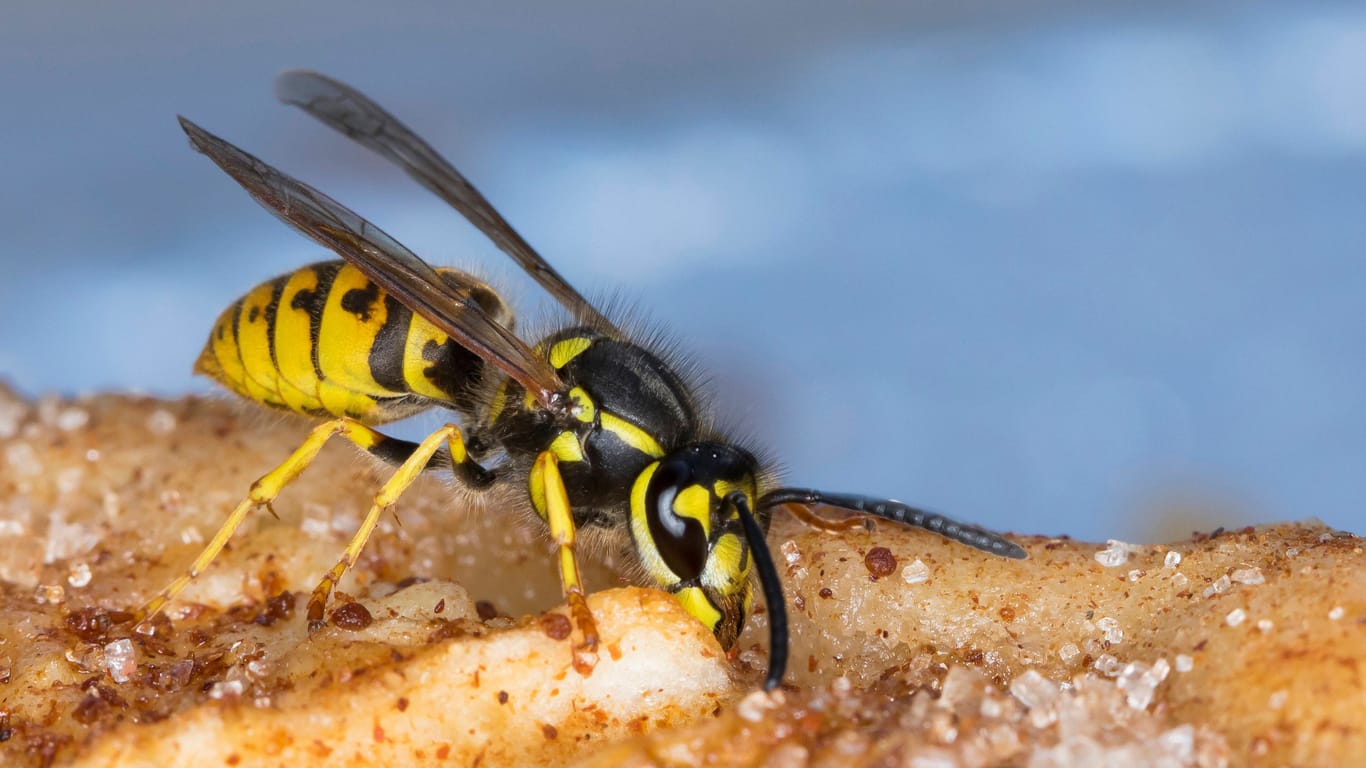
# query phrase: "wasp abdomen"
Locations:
[[325, 340]]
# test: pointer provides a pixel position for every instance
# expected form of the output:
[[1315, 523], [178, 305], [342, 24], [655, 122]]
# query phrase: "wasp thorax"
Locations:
[[688, 532]]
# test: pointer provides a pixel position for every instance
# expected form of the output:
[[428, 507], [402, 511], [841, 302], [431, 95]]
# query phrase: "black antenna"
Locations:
[[888, 509]]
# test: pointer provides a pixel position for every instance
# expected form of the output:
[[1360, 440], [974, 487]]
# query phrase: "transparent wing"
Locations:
[[393, 267], [353, 113]]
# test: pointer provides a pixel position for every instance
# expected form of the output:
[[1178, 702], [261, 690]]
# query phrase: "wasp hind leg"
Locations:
[[264, 491], [419, 457], [552, 501]]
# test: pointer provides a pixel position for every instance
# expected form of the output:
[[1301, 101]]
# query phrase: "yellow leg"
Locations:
[[407, 472], [547, 491], [264, 491]]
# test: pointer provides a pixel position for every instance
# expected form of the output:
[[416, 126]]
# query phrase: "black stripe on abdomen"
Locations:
[[391, 341]]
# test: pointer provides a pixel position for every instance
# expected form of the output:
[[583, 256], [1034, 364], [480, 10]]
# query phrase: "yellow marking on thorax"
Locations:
[[632, 435], [345, 338], [499, 401], [567, 349], [566, 447], [585, 410]]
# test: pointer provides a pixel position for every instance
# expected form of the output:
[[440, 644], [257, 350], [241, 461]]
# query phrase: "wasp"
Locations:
[[590, 429]]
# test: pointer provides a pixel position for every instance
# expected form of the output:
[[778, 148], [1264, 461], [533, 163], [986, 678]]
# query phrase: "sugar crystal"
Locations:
[[916, 573], [1172, 559], [1179, 742], [120, 660], [1110, 626], [1184, 663], [71, 419], [1139, 682], [161, 422], [1336, 613], [1108, 665], [1069, 652], [1219, 587], [1249, 576], [227, 689], [11, 413], [1235, 617], [69, 479], [79, 575], [935, 758], [49, 594], [1115, 554], [23, 459], [1034, 690]]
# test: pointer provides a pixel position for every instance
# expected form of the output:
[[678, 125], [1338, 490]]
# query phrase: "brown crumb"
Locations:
[[352, 616], [880, 562], [279, 607], [556, 626]]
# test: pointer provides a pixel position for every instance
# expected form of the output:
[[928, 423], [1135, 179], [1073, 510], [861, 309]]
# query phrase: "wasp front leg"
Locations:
[[552, 502]]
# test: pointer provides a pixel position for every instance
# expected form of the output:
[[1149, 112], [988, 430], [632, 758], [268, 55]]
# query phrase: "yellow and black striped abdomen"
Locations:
[[326, 341]]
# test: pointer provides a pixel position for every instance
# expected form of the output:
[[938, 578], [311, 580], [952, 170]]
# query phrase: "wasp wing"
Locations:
[[353, 113], [393, 267]]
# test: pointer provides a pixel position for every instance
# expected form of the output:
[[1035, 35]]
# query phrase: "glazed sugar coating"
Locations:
[[1201, 651]]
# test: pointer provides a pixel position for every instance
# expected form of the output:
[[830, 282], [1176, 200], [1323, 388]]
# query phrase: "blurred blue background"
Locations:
[[1048, 266]]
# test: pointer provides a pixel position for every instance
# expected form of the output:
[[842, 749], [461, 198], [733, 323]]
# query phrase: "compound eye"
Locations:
[[672, 509]]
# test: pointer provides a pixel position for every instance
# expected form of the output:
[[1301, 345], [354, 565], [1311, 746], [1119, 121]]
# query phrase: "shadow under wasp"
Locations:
[[590, 429]]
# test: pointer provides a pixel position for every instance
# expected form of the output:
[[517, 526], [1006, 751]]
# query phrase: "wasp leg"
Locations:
[[813, 520], [552, 501], [268, 487], [417, 460]]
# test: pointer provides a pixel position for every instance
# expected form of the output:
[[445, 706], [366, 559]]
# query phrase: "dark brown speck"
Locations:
[[352, 616], [880, 562], [556, 626]]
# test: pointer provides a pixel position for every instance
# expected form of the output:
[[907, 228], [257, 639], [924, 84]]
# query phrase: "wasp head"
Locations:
[[686, 525]]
